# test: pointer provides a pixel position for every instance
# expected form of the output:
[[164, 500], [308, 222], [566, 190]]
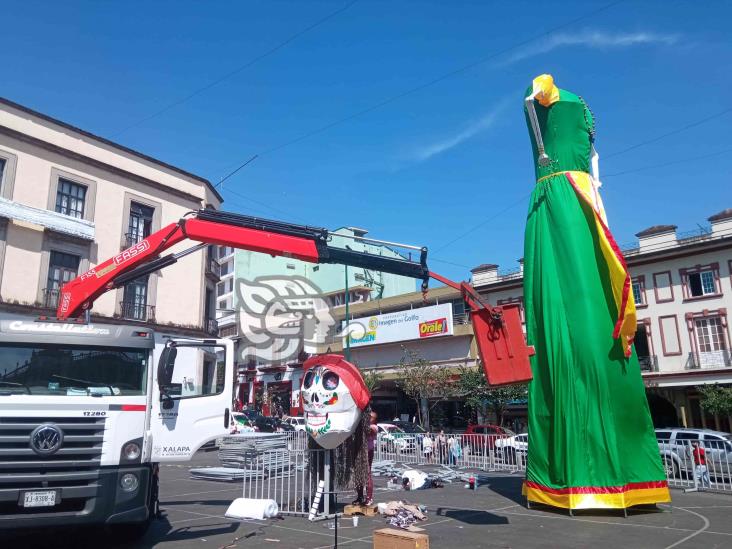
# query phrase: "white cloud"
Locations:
[[591, 39], [471, 129]]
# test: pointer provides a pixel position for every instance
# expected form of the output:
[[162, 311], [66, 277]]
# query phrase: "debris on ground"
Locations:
[[402, 514]]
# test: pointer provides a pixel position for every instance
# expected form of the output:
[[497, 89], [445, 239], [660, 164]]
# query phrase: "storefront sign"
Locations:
[[422, 323]]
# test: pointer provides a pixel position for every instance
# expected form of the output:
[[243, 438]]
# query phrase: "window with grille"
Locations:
[[70, 198], [62, 268], [702, 283], [134, 300], [227, 267], [224, 287], [637, 294], [140, 223], [710, 334]]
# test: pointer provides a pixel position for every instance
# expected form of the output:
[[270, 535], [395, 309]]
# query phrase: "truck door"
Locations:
[[191, 398]]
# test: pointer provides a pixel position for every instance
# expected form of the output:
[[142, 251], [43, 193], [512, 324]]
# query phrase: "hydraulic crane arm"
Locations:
[[275, 238], [497, 330]]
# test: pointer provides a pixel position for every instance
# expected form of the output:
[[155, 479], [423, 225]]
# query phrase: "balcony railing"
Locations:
[[212, 327], [50, 298], [461, 318], [213, 268], [137, 311], [130, 239], [710, 359], [648, 363]]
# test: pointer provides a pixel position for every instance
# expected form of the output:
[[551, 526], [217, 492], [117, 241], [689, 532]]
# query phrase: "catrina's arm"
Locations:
[[546, 93]]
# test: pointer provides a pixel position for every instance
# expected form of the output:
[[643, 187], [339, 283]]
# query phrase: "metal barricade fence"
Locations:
[[291, 478], [707, 468], [472, 451], [286, 475]]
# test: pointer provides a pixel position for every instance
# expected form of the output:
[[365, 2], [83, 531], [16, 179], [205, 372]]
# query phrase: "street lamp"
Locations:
[[348, 331]]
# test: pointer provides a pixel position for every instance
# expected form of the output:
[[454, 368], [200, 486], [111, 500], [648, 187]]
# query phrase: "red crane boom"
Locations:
[[498, 331]]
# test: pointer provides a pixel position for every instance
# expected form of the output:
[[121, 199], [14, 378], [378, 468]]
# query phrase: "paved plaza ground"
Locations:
[[495, 515]]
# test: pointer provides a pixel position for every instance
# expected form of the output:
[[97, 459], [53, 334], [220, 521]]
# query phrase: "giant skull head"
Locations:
[[333, 396]]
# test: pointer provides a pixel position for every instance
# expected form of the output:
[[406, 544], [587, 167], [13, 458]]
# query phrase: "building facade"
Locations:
[[263, 382], [682, 285], [70, 200]]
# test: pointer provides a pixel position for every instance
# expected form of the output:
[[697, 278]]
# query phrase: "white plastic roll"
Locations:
[[246, 508]]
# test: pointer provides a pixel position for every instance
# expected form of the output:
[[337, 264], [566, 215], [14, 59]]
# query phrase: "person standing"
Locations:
[[441, 442], [455, 450], [371, 441], [700, 464], [427, 445]]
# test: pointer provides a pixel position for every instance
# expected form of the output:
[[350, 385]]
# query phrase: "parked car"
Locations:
[[675, 447], [481, 438], [513, 448], [268, 424], [394, 439], [241, 423], [297, 422], [409, 427]]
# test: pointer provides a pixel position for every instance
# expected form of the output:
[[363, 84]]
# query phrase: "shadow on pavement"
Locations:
[[163, 531], [95, 537], [470, 517], [224, 503], [508, 487]]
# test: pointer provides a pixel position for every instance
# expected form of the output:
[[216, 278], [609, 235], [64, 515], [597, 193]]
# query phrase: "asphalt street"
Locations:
[[495, 515]]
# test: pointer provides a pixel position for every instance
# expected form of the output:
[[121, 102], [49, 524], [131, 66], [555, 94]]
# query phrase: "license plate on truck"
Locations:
[[45, 498]]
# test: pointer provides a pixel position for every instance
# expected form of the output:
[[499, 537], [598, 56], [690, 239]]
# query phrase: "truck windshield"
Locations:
[[65, 370]]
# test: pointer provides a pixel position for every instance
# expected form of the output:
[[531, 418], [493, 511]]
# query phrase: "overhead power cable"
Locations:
[[617, 174], [669, 134], [664, 164], [428, 83], [237, 70]]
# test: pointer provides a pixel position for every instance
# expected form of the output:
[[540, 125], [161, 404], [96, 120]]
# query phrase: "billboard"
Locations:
[[422, 323]]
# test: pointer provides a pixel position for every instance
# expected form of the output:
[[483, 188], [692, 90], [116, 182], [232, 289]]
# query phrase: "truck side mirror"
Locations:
[[166, 365]]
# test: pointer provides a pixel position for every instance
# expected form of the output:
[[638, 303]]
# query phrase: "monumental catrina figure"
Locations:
[[592, 443]]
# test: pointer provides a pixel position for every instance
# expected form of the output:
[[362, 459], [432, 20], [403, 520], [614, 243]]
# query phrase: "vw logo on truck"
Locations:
[[46, 439]]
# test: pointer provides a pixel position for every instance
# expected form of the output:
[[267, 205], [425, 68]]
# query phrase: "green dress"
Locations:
[[592, 443]]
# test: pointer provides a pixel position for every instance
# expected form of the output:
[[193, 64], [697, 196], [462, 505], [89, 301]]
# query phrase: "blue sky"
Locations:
[[425, 168]]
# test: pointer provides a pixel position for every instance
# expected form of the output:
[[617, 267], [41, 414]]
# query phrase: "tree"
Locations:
[[716, 399], [372, 379], [426, 384], [480, 398]]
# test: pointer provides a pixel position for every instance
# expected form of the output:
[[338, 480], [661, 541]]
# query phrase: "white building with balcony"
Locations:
[[682, 284], [70, 200]]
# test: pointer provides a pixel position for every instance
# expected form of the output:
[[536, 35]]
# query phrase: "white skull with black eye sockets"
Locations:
[[331, 415]]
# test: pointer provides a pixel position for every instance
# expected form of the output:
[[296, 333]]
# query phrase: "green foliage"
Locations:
[[481, 398], [424, 382], [716, 399], [372, 379]]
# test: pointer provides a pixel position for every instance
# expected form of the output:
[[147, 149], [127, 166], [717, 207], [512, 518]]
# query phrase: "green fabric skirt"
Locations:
[[589, 423]]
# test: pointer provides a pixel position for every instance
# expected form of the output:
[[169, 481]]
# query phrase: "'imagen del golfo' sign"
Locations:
[[433, 321]]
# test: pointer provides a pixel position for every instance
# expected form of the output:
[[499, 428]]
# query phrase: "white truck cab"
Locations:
[[87, 411]]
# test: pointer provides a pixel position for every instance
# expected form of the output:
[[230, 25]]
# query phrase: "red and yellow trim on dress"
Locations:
[[595, 497], [587, 190]]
